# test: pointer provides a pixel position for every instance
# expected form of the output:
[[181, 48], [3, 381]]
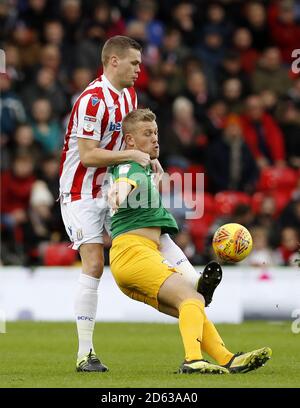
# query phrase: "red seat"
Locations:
[[277, 178], [198, 229], [192, 197], [226, 201], [191, 180], [59, 254]]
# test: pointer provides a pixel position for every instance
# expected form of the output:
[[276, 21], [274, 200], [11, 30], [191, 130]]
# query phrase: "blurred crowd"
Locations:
[[219, 77]]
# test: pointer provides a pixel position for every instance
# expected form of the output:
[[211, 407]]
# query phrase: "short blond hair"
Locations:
[[135, 116], [118, 45]]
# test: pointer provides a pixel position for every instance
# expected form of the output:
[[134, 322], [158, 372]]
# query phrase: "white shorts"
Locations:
[[85, 219]]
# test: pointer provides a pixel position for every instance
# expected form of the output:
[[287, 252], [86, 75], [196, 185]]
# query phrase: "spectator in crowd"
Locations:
[[289, 246], [284, 29], [145, 11], [242, 43], [256, 22], [214, 119], [24, 143], [262, 134], [46, 85], [173, 54], [12, 111], [89, 47], [270, 74], [290, 126], [49, 174], [16, 185], [197, 92], [229, 163], [290, 216], [216, 19], [36, 15], [293, 93], [28, 45], [232, 95], [262, 253], [81, 77], [71, 18], [183, 18], [46, 130], [157, 96], [231, 68], [212, 49], [185, 139], [266, 215], [14, 69]]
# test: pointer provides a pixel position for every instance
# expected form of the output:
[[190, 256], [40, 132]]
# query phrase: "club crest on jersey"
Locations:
[[115, 126], [95, 100]]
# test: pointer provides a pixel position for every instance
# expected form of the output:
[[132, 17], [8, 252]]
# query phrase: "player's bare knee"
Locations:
[[94, 268]]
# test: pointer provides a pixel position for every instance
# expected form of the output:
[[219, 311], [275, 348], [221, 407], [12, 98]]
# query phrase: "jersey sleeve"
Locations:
[[91, 111], [129, 172]]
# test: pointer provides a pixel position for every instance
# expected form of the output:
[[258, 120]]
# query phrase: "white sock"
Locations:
[[177, 258], [85, 311]]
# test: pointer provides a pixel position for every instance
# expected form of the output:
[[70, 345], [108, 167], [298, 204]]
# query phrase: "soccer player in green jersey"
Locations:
[[143, 273]]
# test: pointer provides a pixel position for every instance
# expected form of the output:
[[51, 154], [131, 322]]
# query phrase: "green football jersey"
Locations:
[[143, 207]]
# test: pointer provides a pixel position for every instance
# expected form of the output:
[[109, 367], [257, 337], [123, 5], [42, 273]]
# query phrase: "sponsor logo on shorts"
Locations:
[[181, 261]]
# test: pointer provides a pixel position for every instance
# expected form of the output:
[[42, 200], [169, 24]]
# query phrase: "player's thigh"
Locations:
[[175, 290], [92, 259], [84, 220], [138, 268]]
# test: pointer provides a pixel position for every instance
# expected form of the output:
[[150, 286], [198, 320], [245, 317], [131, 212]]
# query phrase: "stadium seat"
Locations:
[[209, 201], [226, 201], [199, 228], [59, 254], [193, 170], [277, 178]]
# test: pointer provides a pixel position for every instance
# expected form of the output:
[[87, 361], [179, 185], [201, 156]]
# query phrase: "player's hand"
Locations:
[[112, 197], [140, 157], [158, 170]]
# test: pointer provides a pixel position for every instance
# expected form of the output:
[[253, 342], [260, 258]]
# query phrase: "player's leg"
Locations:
[[205, 283], [143, 274], [178, 259], [189, 304], [83, 220], [86, 303], [213, 345]]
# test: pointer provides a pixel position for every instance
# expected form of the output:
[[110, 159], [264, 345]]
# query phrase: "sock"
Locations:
[[191, 319], [213, 344], [178, 259], [85, 311]]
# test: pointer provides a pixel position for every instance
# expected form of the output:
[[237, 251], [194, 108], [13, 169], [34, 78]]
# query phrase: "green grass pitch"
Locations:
[[35, 354]]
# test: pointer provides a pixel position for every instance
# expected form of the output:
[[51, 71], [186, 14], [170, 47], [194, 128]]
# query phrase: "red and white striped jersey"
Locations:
[[97, 114]]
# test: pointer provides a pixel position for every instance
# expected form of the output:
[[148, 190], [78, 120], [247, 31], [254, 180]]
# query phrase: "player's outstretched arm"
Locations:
[[92, 156]]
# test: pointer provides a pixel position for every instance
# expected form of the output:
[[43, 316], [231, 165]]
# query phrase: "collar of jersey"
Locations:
[[148, 168], [109, 85]]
